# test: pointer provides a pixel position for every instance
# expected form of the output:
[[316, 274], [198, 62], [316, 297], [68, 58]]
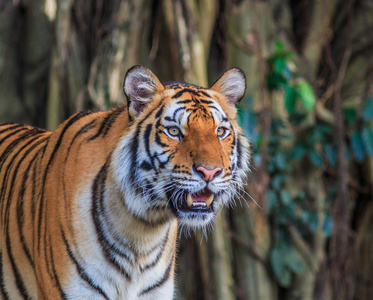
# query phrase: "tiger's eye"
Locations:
[[174, 131], [220, 131]]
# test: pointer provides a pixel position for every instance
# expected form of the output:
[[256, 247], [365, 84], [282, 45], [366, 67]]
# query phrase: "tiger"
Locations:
[[93, 209]]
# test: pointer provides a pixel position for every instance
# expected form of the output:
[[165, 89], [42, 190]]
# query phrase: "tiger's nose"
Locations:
[[208, 174]]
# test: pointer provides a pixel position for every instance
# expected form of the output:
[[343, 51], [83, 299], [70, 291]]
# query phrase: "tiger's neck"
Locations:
[[120, 226]]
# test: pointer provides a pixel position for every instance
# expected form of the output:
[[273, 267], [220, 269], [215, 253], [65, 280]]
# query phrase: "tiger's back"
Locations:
[[91, 210], [20, 148], [38, 170]]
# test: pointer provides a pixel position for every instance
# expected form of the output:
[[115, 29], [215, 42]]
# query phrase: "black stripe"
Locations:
[[135, 141], [147, 144], [185, 101], [107, 122], [159, 255], [205, 93], [33, 189], [11, 126], [165, 277], [3, 139], [71, 121], [159, 112], [97, 197], [87, 127], [185, 90], [7, 123], [5, 155], [169, 119], [20, 213], [80, 269], [41, 199], [239, 153], [4, 293], [84, 129], [175, 112], [134, 149], [157, 137], [146, 166], [15, 172], [106, 219], [159, 142], [13, 144], [218, 110], [54, 272], [162, 164], [18, 278]]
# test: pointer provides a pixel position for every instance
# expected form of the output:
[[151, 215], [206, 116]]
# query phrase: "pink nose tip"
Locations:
[[208, 174]]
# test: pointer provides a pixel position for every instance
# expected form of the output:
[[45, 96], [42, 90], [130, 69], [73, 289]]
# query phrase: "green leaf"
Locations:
[[297, 153], [285, 197], [279, 65], [271, 199], [307, 95], [368, 110], [367, 135], [315, 158], [277, 181], [330, 154], [313, 222], [275, 81], [305, 216], [350, 114], [279, 46], [293, 261], [280, 161], [357, 146], [324, 130], [290, 99], [278, 264]]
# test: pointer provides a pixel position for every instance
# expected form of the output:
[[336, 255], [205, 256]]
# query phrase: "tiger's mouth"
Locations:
[[200, 202]]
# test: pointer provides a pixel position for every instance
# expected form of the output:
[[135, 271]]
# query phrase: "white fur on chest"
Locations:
[[147, 259]]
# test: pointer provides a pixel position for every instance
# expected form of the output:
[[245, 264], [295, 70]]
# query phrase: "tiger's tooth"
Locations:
[[189, 200], [209, 200]]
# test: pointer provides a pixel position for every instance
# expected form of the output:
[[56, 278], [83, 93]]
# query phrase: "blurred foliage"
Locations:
[[311, 144]]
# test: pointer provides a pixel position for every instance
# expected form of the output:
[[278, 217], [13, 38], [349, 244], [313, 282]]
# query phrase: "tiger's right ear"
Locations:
[[140, 86]]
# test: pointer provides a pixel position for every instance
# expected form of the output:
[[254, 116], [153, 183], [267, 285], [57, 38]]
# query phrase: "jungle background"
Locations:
[[304, 230]]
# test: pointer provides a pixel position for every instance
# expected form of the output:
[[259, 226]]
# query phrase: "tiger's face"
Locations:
[[185, 155]]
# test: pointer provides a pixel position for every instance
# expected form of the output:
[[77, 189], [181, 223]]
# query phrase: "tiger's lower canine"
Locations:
[[90, 211]]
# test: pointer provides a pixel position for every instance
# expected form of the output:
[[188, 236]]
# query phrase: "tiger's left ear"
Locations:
[[140, 86], [232, 84]]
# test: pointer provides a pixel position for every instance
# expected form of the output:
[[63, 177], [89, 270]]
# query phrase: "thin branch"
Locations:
[[303, 249], [324, 114]]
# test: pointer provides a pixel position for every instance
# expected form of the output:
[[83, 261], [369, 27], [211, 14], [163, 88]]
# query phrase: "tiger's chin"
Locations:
[[194, 210]]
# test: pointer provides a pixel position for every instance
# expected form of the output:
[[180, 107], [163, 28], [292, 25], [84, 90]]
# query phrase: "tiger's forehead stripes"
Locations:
[[190, 103]]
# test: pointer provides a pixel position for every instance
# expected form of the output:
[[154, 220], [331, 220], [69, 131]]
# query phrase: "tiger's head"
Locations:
[[184, 154]]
